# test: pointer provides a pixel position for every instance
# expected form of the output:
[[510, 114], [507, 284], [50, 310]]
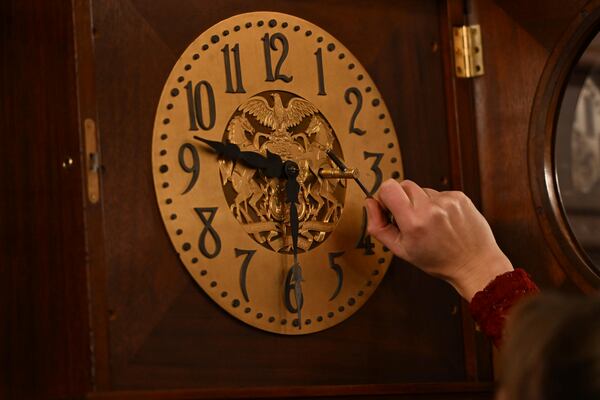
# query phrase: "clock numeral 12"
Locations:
[[238, 69], [356, 93], [208, 229], [269, 43], [244, 268], [339, 272], [364, 242], [194, 100]]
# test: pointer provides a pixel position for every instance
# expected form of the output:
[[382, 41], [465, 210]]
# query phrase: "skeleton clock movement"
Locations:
[[250, 130]]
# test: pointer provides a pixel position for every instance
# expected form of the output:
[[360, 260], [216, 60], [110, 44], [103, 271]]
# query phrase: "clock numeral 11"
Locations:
[[195, 111], [238, 69]]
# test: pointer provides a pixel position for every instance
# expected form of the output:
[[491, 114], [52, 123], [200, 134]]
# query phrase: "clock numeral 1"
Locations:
[[208, 229], [319, 55], [238, 69], [290, 292], [194, 169], [194, 99], [356, 93], [339, 272], [375, 169], [364, 242], [244, 268], [269, 43]]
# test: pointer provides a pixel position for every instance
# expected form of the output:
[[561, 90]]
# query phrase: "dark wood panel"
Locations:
[[164, 332], [44, 346]]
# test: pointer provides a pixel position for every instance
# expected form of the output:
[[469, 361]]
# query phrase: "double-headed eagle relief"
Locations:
[[295, 132]]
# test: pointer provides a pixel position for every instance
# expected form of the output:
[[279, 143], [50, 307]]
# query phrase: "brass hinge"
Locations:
[[92, 161], [468, 52]]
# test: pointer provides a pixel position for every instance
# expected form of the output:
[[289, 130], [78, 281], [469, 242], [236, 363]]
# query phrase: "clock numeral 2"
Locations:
[[375, 169], [194, 169], [319, 55], [194, 100], [208, 229], [349, 92], [269, 43], [238, 69], [244, 268], [290, 291], [339, 272], [364, 242]]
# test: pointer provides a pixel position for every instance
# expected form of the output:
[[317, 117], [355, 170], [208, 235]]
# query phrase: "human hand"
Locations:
[[442, 233]]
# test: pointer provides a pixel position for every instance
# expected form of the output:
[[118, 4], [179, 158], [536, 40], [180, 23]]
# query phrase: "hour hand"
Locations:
[[271, 165]]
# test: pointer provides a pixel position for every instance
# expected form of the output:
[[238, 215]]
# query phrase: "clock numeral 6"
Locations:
[[195, 111], [290, 291], [208, 229], [238, 69], [193, 169]]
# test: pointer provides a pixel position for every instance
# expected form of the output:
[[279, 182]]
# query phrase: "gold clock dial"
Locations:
[[273, 84]]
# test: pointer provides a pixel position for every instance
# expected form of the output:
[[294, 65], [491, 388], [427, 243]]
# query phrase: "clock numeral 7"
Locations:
[[194, 169], [290, 291], [244, 269], [339, 272], [208, 229], [375, 168], [270, 43], [195, 109]]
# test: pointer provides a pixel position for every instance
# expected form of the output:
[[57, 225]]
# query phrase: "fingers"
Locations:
[[380, 227]]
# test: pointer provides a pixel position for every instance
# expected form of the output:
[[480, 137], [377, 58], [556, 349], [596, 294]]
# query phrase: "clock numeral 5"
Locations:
[[269, 43], [358, 96], [194, 100], [364, 242], [238, 69], [208, 229], [194, 169], [290, 291], [339, 272], [244, 268]]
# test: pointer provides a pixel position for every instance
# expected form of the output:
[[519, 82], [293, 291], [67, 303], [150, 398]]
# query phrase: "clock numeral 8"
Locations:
[[194, 100], [208, 229]]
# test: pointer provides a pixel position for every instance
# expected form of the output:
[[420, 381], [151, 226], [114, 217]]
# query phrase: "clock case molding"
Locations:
[[94, 316]]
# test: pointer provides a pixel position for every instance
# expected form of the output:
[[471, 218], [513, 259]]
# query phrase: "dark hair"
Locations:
[[552, 349]]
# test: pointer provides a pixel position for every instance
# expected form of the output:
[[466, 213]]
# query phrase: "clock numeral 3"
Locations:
[[356, 93], [194, 169], [290, 293], [319, 55], [208, 229], [339, 272], [244, 268], [194, 99], [364, 242], [238, 69], [375, 169], [269, 43]]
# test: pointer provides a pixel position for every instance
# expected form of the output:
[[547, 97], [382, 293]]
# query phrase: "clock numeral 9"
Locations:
[[356, 93], [364, 242], [375, 169], [244, 268], [194, 100], [269, 43], [193, 169], [290, 291], [208, 229], [339, 272]]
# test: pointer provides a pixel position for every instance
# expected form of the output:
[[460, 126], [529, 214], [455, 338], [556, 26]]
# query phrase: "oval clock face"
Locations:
[[276, 86]]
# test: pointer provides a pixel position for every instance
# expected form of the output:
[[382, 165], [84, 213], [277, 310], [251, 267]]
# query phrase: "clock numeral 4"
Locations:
[[208, 230], [193, 169], [354, 92], [364, 242], [339, 272], [195, 109], [238, 69], [270, 43], [375, 168], [244, 269]]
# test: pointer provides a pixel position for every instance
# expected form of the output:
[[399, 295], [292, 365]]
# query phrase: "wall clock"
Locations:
[[286, 252]]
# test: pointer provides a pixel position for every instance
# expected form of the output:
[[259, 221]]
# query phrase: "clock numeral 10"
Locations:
[[244, 268], [195, 111], [358, 96], [269, 43], [208, 229], [238, 69]]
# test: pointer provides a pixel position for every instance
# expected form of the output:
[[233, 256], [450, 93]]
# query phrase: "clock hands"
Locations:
[[292, 187], [271, 165]]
